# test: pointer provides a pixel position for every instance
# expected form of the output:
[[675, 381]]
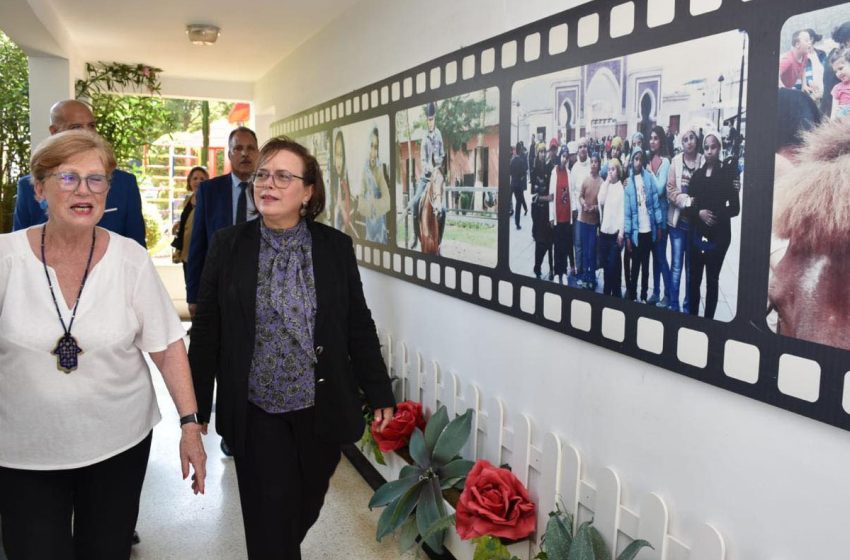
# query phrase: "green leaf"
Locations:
[[443, 523], [435, 426], [634, 547], [429, 510], [417, 449], [401, 510], [391, 491], [409, 470], [559, 534], [384, 521], [407, 535], [458, 468], [453, 438], [490, 548], [379, 455], [582, 546], [600, 549]]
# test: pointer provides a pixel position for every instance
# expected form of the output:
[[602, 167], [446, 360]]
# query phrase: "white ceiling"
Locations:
[[255, 34]]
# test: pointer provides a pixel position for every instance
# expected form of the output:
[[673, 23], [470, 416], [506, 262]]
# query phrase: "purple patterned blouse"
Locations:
[[282, 376]]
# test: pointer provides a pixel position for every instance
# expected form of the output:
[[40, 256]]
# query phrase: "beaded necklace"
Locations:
[[67, 349]]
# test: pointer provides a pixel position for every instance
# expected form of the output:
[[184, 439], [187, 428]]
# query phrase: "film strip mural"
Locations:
[[651, 144]]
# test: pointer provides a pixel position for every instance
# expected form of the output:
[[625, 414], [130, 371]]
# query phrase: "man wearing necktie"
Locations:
[[221, 202]]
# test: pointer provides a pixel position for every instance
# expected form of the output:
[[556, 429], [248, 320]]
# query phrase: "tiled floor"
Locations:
[[175, 524]]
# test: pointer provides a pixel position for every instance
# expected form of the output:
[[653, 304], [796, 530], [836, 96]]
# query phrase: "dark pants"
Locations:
[[283, 477], [613, 285], [577, 244], [710, 261], [661, 268], [640, 261], [37, 508], [588, 252], [564, 247], [519, 196], [541, 250]]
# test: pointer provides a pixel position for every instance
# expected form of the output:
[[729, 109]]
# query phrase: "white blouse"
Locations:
[[53, 420]]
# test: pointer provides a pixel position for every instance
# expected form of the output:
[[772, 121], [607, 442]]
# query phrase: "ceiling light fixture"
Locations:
[[202, 34]]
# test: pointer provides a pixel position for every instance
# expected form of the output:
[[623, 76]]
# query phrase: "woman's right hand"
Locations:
[[192, 452]]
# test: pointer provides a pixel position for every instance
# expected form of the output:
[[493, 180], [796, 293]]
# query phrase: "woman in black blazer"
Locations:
[[283, 326]]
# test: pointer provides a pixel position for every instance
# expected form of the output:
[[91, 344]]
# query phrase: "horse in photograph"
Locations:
[[808, 283], [432, 215]]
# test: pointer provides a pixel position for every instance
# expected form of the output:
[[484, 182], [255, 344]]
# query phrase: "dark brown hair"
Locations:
[[312, 170], [191, 172]]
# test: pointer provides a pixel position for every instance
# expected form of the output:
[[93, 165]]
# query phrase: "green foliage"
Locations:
[[7, 206], [559, 542], [14, 125], [462, 117], [491, 548], [127, 121], [153, 225], [188, 114], [367, 443], [419, 490]]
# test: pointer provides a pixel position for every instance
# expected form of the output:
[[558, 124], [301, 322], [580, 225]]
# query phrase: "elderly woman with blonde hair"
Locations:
[[79, 307]]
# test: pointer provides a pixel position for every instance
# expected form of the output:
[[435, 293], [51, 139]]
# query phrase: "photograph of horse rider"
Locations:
[[432, 155]]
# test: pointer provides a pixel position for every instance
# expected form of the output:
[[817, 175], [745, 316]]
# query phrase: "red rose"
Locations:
[[494, 502], [408, 415]]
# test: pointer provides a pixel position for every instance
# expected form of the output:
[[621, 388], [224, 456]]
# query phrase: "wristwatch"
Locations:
[[189, 419]]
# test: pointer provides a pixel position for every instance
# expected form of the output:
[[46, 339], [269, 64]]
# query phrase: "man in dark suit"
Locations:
[[123, 214], [221, 202]]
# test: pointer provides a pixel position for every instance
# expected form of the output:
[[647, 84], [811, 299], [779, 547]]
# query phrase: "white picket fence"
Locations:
[[550, 467]]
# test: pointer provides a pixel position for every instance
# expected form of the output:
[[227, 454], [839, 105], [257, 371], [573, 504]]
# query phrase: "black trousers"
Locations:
[[519, 197], [37, 507], [564, 247], [283, 477], [710, 261], [613, 264], [640, 261]]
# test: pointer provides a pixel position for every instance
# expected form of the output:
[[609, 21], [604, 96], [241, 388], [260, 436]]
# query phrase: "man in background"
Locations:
[[123, 214]]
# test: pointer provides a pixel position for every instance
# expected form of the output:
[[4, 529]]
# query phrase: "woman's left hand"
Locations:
[[192, 452], [382, 418]]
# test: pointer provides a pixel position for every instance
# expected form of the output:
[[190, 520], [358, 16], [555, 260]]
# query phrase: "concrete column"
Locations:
[[50, 81]]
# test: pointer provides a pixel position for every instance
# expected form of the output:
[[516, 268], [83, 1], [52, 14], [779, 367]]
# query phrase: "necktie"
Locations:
[[242, 204]]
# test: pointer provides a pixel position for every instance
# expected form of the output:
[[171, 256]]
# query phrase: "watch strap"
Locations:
[[189, 419]]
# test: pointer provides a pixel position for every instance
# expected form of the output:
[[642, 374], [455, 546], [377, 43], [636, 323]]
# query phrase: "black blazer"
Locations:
[[347, 344]]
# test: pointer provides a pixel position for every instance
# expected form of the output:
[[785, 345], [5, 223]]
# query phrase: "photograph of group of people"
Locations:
[[626, 175], [808, 295], [447, 176], [354, 159]]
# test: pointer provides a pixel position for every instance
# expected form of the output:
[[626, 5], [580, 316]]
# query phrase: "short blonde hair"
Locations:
[[62, 146]]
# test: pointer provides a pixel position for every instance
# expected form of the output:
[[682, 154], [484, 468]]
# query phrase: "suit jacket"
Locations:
[[213, 211], [123, 207], [223, 331]]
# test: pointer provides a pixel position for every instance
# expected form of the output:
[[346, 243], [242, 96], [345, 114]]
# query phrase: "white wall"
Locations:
[[773, 483]]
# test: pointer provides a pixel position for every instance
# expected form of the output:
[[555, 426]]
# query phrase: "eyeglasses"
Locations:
[[280, 179], [70, 181]]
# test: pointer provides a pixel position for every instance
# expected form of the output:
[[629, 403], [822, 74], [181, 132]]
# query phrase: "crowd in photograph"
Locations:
[[604, 208], [819, 66]]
